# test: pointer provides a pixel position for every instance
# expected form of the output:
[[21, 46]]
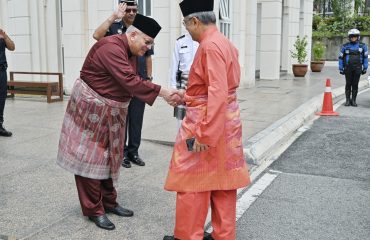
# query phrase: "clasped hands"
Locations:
[[173, 97]]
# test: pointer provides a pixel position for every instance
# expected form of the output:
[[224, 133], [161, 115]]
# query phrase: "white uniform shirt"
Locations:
[[183, 56]]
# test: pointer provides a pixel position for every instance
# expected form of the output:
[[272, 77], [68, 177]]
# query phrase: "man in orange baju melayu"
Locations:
[[216, 168]]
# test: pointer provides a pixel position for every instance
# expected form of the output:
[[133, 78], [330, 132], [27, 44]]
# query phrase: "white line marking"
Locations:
[[251, 195]]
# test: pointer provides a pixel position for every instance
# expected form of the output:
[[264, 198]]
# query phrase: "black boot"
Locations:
[[348, 99], [4, 132], [354, 96]]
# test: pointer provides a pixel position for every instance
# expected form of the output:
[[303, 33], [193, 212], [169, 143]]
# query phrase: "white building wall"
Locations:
[[18, 27], [75, 39], [163, 45], [258, 37], [263, 31], [271, 17], [248, 36]]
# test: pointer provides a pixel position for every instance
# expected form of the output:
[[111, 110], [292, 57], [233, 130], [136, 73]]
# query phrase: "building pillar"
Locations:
[[291, 29], [270, 51], [248, 39], [306, 14]]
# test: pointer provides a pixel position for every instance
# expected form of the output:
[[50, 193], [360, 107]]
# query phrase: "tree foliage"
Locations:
[[341, 8]]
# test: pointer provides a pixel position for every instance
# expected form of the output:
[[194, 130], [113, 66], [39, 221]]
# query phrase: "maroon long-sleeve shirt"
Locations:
[[110, 70]]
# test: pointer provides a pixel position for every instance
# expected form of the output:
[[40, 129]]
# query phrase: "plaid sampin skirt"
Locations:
[[92, 137]]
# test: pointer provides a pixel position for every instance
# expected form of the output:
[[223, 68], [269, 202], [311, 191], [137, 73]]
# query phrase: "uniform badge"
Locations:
[[119, 31]]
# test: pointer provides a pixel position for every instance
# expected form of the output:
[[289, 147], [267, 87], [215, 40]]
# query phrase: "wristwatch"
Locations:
[[149, 78]]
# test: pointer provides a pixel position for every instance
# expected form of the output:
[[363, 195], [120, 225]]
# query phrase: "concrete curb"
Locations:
[[260, 147]]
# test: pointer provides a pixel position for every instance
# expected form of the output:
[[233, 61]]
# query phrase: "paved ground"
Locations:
[[38, 200], [322, 185]]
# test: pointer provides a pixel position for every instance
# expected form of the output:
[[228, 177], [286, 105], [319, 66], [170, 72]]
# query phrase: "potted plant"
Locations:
[[318, 52], [300, 53]]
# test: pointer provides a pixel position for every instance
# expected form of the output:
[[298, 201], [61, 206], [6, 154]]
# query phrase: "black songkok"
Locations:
[[193, 6], [147, 25]]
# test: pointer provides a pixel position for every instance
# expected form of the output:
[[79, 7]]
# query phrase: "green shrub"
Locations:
[[300, 52], [362, 23], [318, 51]]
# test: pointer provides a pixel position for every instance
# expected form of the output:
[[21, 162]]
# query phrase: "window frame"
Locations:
[[225, 21], [142, 5]]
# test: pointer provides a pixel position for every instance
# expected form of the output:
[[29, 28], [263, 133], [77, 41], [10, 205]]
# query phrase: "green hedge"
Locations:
[[333, 27]]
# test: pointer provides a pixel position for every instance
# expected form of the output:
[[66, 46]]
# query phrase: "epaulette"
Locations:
[[117, 21], [180, 37]]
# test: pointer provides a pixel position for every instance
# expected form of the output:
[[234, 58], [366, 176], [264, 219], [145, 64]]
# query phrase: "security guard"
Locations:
[[183, 56], [353, 62], [134, 121], [5, 43]]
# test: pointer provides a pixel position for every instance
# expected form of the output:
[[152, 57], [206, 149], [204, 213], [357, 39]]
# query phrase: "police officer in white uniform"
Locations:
[[183, 56]]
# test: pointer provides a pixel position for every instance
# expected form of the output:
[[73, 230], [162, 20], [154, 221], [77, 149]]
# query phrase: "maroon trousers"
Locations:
[[95, 195]]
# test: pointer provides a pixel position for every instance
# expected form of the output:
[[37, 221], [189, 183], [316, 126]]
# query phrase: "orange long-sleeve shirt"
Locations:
[[215, 72]]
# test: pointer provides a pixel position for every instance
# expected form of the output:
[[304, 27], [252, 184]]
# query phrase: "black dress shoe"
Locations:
[[120, 211], [207, 236], [137, 160], [169, 238], [126, 162], [102, 221], [4, 132]]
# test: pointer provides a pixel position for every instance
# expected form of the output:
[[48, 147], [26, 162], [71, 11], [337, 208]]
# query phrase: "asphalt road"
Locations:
[[321, 184]]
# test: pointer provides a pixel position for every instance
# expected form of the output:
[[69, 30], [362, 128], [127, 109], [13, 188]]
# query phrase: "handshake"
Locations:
[[172, 96]]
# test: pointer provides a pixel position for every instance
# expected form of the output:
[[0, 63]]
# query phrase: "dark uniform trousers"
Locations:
[[3, 92], [353, 74], [134, 124]]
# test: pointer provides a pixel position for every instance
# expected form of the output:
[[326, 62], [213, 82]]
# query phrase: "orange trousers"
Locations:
[[191, 214]]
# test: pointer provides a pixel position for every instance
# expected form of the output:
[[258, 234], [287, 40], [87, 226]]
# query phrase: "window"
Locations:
[[145, 7], [225, 20]]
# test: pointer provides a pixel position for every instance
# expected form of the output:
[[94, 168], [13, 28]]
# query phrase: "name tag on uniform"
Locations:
[[184, 46]]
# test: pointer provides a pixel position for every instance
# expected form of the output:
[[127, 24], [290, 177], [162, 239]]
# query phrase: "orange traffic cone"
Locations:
[[327, 105]]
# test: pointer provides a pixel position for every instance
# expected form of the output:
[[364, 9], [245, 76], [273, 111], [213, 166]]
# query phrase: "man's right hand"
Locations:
[[172, 96], [2, 33], [341, 72], [120, 10]]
